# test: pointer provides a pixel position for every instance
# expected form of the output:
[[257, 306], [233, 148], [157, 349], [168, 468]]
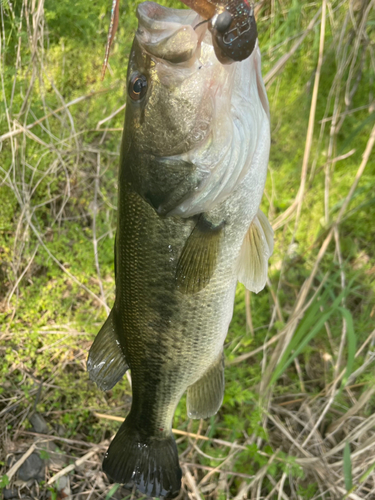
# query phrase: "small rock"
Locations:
[[38, 423], [32, 468], [11, 493], [62, 483], [63, 487]]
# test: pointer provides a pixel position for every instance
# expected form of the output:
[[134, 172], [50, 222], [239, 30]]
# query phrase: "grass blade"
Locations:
[[352, 343], [112, 491], [306, 331], [347, 468]]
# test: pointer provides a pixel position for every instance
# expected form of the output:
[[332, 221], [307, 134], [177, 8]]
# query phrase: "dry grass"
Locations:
[[328, 428]]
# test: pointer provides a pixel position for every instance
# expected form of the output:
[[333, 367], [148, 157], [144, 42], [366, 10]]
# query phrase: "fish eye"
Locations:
[[137, 86]]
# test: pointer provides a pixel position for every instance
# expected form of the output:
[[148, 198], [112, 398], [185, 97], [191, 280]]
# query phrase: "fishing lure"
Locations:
[[232, 24]]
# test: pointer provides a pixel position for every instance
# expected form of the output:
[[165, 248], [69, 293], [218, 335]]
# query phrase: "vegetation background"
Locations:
[[298, 415]]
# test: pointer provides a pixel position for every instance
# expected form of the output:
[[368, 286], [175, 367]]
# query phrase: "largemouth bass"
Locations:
[[192, 171]]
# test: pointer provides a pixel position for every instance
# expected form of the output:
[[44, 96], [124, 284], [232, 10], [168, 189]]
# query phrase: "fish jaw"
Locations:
[[167, 33]]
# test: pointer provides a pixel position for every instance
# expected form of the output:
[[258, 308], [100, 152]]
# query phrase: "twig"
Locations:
[[310, 128], [181, 433], [71, 467], [285, 58], [213, 469], [110, 117], [48, 437], [13, 133], [248, 355], [19, 279], [191, 482], [354, 410]]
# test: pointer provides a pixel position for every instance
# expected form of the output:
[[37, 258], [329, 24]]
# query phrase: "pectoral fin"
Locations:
[[255, 252], [199, 256], [204, 398], [106, 363]]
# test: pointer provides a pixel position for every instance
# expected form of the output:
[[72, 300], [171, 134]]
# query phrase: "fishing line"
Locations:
[[202, 22]]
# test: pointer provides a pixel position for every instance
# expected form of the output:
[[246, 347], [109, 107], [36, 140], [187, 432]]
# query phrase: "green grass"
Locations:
[[279, 401]]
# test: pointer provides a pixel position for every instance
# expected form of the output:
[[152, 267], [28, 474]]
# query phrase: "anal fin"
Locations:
[[106, 363], [205, 397], [257, 248], [199, 256]]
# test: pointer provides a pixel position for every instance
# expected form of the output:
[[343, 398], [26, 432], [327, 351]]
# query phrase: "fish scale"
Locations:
[[188, 228]]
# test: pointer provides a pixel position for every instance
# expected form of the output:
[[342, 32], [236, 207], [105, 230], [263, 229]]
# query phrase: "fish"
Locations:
[[193, 166]]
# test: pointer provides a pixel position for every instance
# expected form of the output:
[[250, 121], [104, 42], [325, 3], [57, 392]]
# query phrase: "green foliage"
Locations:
[[307, 492], [112, 491], [4, 481], [54, 493], [352, 342], [44, 455], [309, 327], [347, 468]]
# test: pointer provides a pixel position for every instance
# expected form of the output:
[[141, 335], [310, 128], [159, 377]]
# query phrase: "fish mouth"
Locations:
[[169, 34]]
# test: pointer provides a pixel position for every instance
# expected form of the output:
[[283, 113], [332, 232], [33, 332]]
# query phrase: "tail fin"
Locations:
[[148, 462]]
